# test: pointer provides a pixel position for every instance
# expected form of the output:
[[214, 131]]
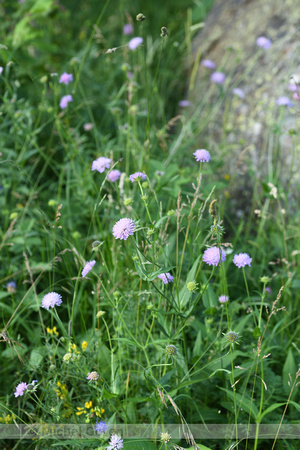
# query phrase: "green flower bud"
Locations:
[[140, 17], [192, 286], [128, 201], [164, 32], [265, 280], [171, 350]]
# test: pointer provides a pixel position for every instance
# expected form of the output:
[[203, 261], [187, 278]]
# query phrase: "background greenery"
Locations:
[[46, 162]]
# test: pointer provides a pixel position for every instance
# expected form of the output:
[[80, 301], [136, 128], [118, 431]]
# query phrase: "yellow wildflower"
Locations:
[[84, 346], [52, 331]]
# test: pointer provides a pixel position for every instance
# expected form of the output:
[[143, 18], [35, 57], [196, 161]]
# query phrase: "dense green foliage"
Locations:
[[165, 353]]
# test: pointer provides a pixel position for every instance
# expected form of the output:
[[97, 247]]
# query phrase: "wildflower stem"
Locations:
[[247, 289], [144, 201]]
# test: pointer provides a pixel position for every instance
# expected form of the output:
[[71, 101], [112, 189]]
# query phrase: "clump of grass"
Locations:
[[126, 299]]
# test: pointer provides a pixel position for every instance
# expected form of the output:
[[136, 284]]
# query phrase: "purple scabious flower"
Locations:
[[137, 176], [292, 87], [263, 42], [128, 29], [87, 268], [123, 229], [135, 42], [184, 103], [223, 298], [166, 277], [11, 287], [65, 100], [268, 290], [217, 77], [242, 260], [88, 126], [202, 155], [211, 256], [92, 376], [208, 63], [115, 443], [66, 78], [296, 96], [114, 175], [239, 92], [50, 300], [100, 427], [20, 389], [284, 101], [101, 164]]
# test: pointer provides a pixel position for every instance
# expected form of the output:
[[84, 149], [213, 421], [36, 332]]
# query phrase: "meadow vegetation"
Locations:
[[132, 290]]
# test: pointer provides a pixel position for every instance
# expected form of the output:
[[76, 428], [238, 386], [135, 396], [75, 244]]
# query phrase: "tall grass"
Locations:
[[159, 354]]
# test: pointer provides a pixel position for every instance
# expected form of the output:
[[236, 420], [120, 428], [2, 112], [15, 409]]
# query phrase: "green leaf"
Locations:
[[139, 445], [256, 332], [247, 404], [35, 359], [42, 7], [289, 369], [108, 395], [219, 370], [271, 408], [198, 344], [128, 341], [212, 311], [185, 294]]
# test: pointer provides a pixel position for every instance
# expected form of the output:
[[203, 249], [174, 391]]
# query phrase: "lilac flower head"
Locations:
[[20, 389], [11, 287], [166, 277], [202, 155], [66, 78], [284, 101], [92, 376], [100, 427], [239, 92], [296, 96], [135, 42], [128, 29], [263, 42], [137, 176], [88, 126], [101, 164], [123, 229], [217, 77], [293, 87], [242, 260], [208, 63], [211, 256], [87, 268], [114, 175], [115, 443], [50, 300], [184, 103], [268, 290], [223, 298], [65, 100]]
